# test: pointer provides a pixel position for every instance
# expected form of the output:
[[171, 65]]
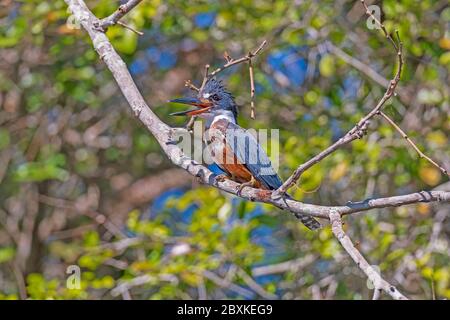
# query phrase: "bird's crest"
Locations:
[[214, 86]]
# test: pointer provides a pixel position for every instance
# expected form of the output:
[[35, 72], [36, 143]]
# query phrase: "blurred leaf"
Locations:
[[327, 66], [6, 254], [430, 175]]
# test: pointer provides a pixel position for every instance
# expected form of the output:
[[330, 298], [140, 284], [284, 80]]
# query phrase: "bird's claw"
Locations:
[[250, 184], [240, 187]]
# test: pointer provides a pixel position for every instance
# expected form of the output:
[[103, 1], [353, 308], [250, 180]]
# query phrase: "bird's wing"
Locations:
[[250, 153]]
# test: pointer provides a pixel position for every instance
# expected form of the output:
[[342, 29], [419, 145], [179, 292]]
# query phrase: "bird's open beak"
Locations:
[[203, 105]]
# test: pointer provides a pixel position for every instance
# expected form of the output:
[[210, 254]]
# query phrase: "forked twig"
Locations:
[[114, 18], [190, 85], [229, 63]]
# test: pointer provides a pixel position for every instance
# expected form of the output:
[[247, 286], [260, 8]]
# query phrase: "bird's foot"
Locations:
[[250, 183]]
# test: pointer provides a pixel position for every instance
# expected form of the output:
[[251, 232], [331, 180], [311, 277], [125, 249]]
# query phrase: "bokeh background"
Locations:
[[83, 183]]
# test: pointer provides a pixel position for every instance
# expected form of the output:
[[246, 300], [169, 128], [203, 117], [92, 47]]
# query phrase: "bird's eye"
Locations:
[[216, 97]]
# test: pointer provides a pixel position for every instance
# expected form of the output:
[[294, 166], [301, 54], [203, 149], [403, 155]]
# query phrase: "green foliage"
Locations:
[[7, 254]]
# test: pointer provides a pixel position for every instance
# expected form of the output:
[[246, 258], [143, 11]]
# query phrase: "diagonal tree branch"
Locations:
[[378, 282], [413, 145], [335, 218]]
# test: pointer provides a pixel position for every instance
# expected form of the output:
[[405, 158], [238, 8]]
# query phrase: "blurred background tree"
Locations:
[[82, 183]]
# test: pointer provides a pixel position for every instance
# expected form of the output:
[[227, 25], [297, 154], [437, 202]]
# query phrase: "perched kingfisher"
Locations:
[[232, 148]]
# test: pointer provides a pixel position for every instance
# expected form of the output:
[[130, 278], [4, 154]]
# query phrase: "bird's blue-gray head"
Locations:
[[221, 99], [211, 101]]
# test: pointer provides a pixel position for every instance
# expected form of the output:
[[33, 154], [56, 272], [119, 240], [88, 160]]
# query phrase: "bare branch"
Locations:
[[405, 136], [378, 282], [227, 57], [205, 77], [190, 124], [397, 46]]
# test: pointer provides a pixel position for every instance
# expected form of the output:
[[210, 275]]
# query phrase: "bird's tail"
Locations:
[[308, 221]]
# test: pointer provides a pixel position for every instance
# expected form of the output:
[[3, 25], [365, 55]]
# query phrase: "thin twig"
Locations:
[[190, 124], [361, 262], [388, 36], [117, 15], [205, 77], [233, 62], [227, 57], [190, 85], [252, 90], [405, 136], [130, 28]]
